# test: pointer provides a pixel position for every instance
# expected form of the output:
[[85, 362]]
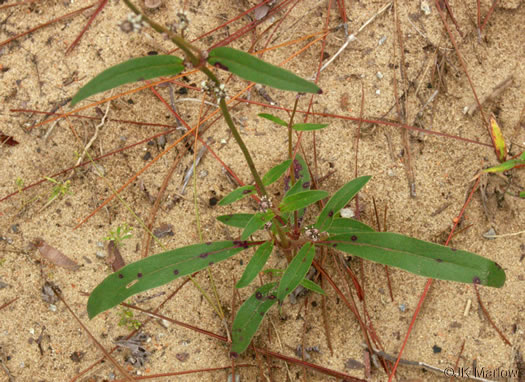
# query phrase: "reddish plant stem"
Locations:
[[463, 65], [98, 344], [489, 13], [429, 282], [371, 121], [135, 331], [451, 14], [489, 319], [17, 4], [45, 24], [100, 7], [186, 372], [312, 366], [8, 303], [457, 359]]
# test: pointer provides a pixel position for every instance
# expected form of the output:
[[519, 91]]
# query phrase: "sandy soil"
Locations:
[[39, 342]]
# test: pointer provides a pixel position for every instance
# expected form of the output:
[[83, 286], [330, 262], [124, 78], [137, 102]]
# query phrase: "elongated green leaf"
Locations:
[[235, 220], [297, 269], [158, 270], [252, 69], [256, 222], [344, 225], [338, 201], [256, 264], [309, 126], [508, 165], [420, 257], [237, 194], [276, 172], [309, 284], [301, 200], [136, 69], [250, 316], [273, 118], [522, 194]]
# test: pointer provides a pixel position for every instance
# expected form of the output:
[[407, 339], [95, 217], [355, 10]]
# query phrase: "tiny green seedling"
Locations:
[[278, 223], [122, 233], [127, 320], [59, 189]]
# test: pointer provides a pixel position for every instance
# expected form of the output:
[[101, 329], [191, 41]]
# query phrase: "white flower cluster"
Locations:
[[266, 203], [184, 20], [312, 233], [212, 89]]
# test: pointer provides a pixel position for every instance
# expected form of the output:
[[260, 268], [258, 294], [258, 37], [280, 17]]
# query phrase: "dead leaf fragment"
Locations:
[[114, 257], [165, 229], [152, 4], [54, 255], [7, 140]]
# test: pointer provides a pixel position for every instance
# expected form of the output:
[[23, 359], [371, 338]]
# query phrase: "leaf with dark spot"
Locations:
[[157, 270]]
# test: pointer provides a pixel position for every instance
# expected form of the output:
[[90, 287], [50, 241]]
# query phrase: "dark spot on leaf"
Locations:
[[208, 243], [334, 245], [354, 238], [120, 276], [476, 280], [258, 295], [262, 314], [245, 192], [211, 263], [234, 354], [271, 297], [203, 255], [439, 260], [220, 66], [330, 214], [139, 275], [237, 243], [320, 91], [175, 272], [306, 185], [142, 79], [453, 249], [497, 265], [287, 289]]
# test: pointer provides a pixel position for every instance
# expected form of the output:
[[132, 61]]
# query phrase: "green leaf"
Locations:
[[256, 222], [256, 264], [302, 183], [309, 126], [157, 270], [252, 69], [338, 201], [237, 194], [297, 269], [273, 118], [419, 257], [235, 220], [250, 316], [344, 225], [308, 284], [522, 194], [136, 69], [276, 172], [508, 165], [301, 199]]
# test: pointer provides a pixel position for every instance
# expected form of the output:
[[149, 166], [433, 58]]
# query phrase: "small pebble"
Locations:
[[347, 213], [237, 377], [14, 228], [391, 172], [100, 244], [425, 7], [402, 308], [52, 307], [379, 75], [382, 40], [490, 234], [223, 141], [378, 91], [147, 156], [100, 254], [32, 331], [203, 174], [182, 357]]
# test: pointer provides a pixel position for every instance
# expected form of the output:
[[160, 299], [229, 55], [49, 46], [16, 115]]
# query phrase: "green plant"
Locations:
[[59, 189], [280, 222], [122, 233], [127, 320]]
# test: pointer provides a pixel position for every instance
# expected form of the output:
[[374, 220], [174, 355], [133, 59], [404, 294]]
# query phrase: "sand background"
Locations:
[[36, 74]]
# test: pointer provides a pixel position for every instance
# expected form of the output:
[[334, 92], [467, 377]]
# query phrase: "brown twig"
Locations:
[[489, 319], [101, 6]]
